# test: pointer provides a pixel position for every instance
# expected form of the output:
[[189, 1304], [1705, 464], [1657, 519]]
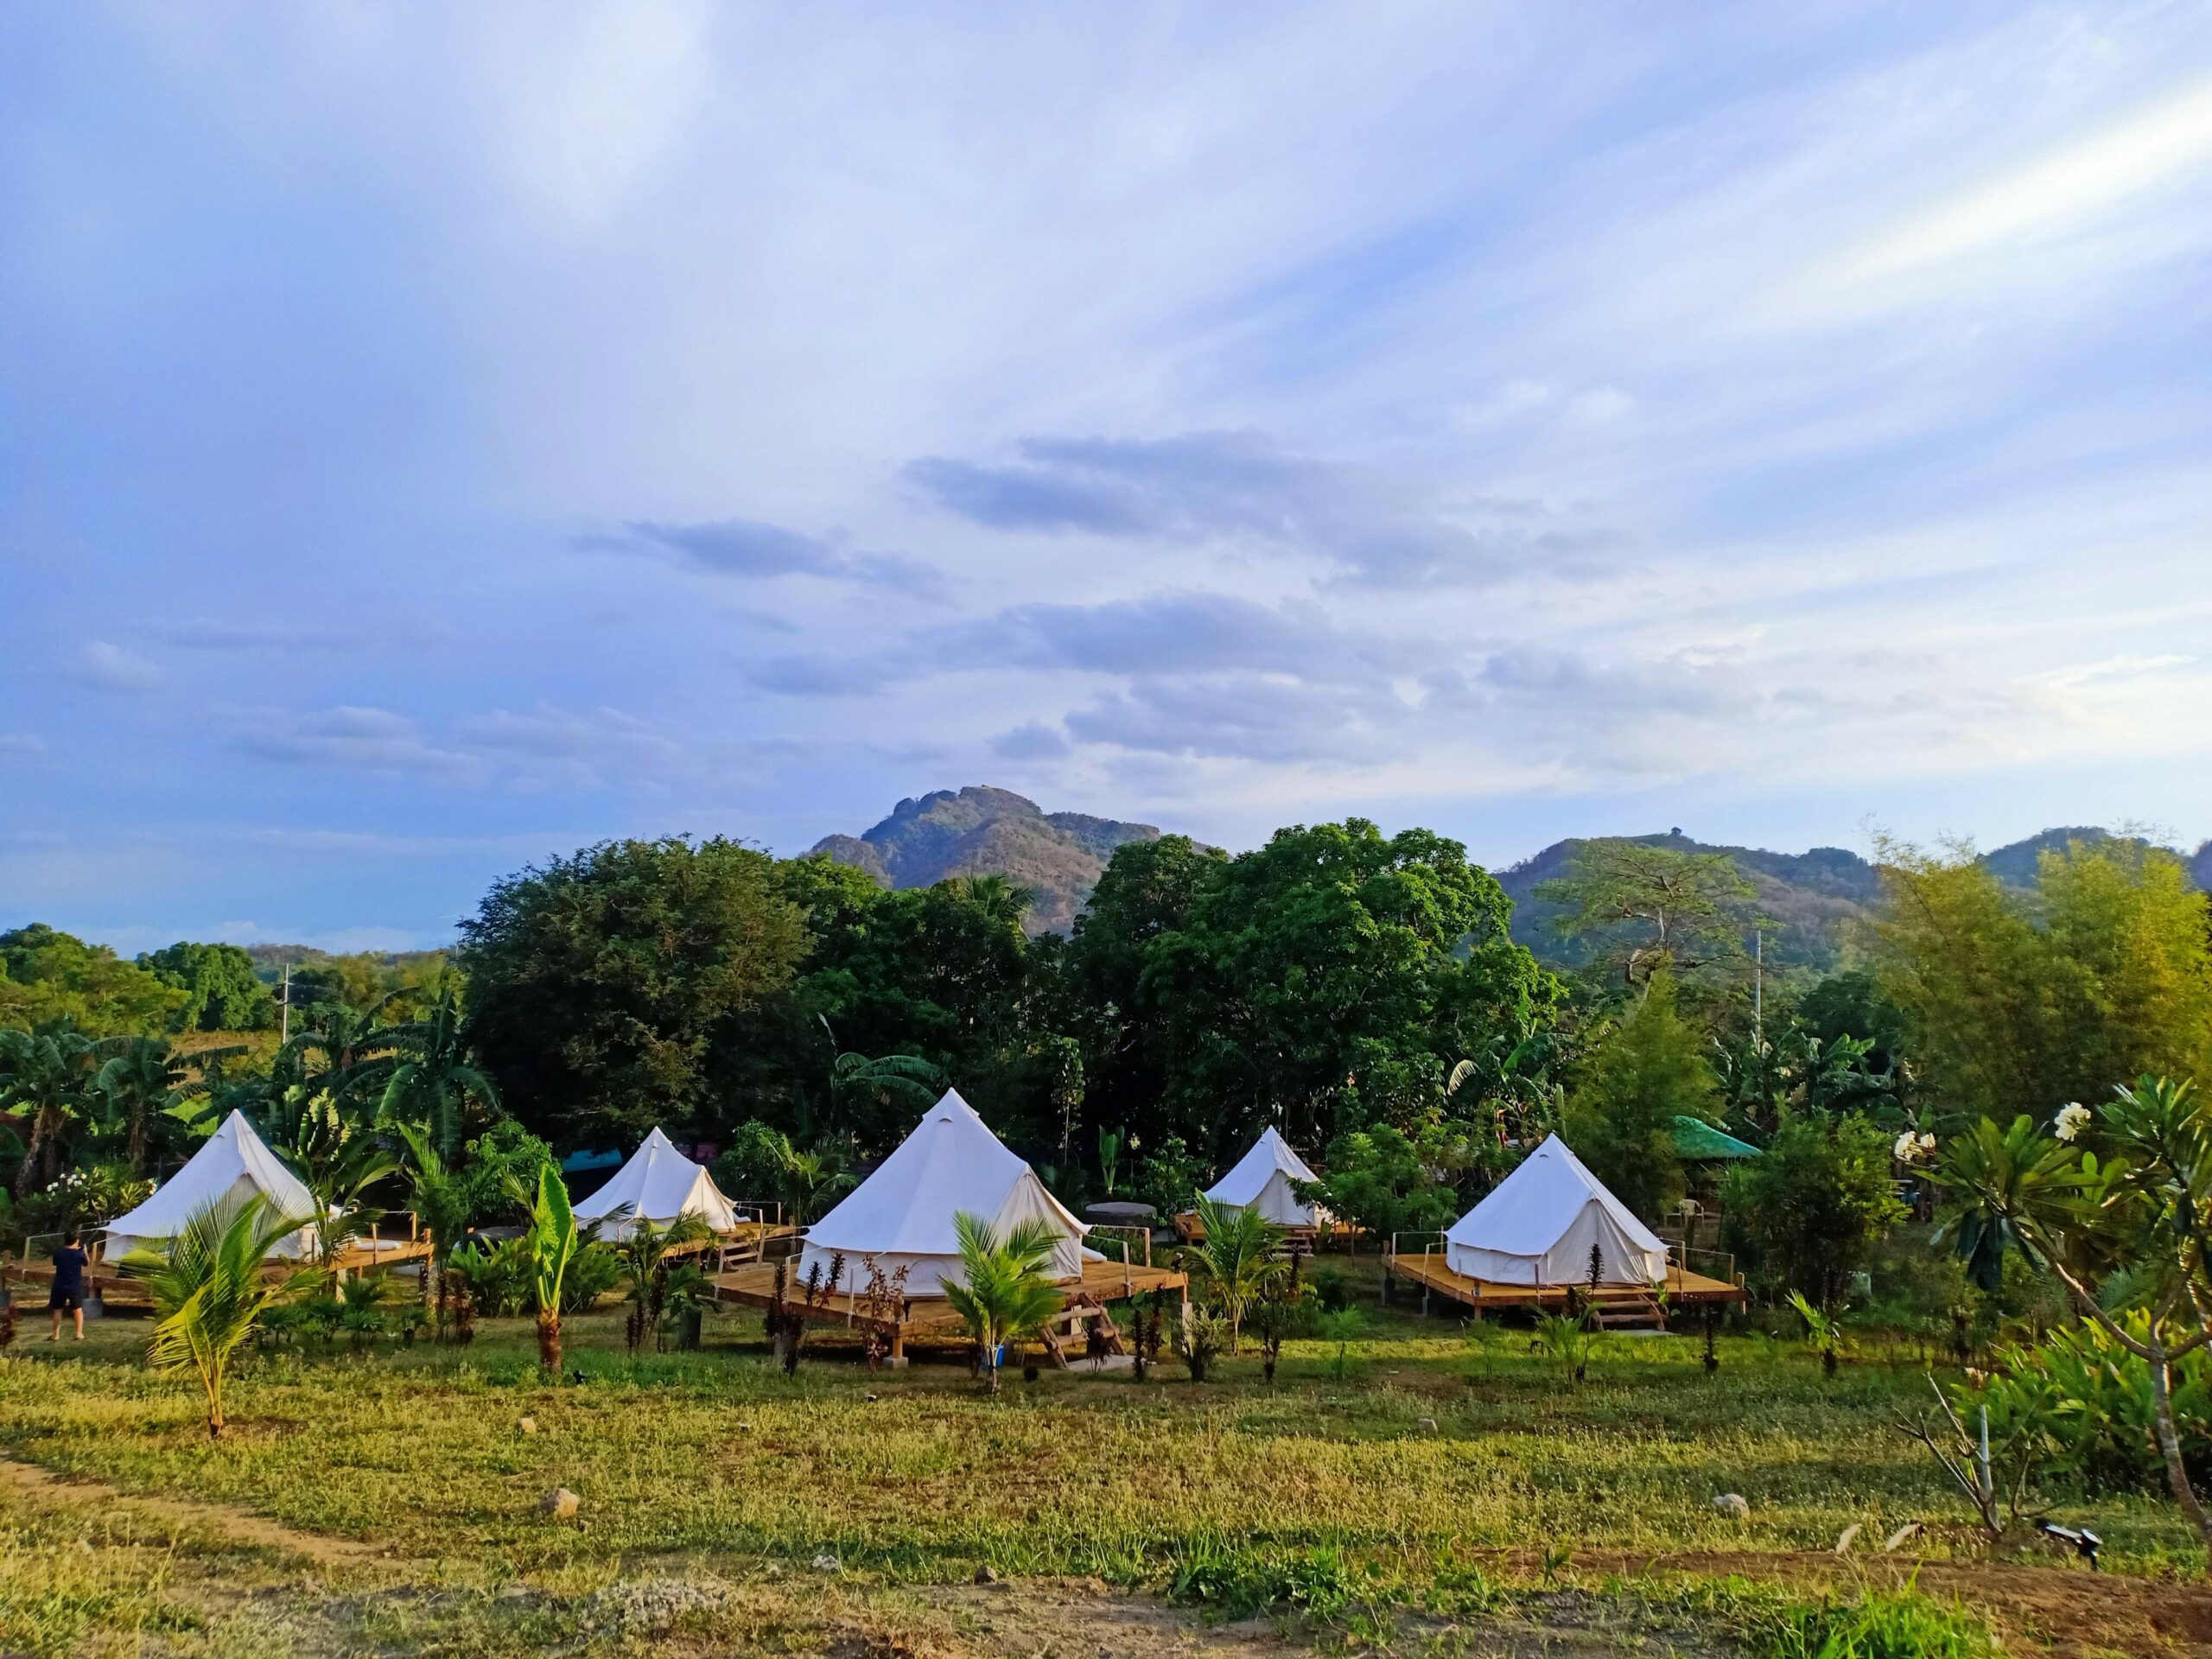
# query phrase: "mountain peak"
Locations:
[[983, 830]]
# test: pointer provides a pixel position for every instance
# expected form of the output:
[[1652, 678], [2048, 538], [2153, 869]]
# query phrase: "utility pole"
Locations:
[[1758, 988], [284, 1003]]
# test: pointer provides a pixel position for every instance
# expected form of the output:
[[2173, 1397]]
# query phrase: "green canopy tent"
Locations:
[[1697, 1141]]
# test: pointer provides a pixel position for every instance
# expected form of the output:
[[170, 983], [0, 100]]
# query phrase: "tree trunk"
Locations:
[[2170, 1443], [138, 1138], [26, 1171], [549, 1341]]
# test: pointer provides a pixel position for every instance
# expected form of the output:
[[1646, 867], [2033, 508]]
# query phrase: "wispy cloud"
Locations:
[[746, 547], [1202, 487]]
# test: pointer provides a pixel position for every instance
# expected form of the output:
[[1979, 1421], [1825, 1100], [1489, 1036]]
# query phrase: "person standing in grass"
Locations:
[[67, 1295]]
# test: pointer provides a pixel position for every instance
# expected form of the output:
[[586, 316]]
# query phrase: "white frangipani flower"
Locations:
[[2073, 1118]]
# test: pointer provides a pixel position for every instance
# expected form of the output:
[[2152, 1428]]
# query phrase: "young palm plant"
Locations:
[[1239, 1257], [648, 1259], [210, 1291], [550, 1243], [441, 1202], [1008, 1294]]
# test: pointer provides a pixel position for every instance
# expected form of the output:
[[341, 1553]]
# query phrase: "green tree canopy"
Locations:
[[48, 975], [2021, 1002], [601, 984], [1331, 977], [222, 990], [1811, 1209]]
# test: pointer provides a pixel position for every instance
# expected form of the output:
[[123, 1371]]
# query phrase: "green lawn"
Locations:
[[718, 1456]]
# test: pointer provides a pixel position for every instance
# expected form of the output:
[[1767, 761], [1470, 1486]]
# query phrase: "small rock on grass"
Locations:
[[1734, 1505], [985, 1575], [560, 1504], [528, 1425], [827, 1564]]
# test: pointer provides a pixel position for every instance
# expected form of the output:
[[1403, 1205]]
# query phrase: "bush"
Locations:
[[1809, 1211], [1200, 1338], [2091, 1398], [1167, 1176], [1331, 1290], [1233, 1580], [596, 1270], [1891, 1624]]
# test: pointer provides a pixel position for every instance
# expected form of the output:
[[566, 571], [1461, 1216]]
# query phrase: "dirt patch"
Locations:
[[2074, 1611], [236, 1526], [1077, 1618]]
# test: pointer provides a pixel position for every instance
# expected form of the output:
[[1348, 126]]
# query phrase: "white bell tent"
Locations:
[[902, 1215], [1261, 1181], [660, 1185], [1539, 1223], [233, 1165]]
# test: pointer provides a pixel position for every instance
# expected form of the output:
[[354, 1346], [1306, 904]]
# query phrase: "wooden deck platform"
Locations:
[[118, 1289], [1192, 1230], [1684, 1287], [753, 1285]]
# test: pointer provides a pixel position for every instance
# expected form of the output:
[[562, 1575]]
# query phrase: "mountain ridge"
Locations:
[[981, 829]]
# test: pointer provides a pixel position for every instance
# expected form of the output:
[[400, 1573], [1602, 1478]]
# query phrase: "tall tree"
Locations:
[[1329, 979], [1652, 908], [1149, 889], [1650, 1070], [600, 985], [434, 1080], [2020, 1003]]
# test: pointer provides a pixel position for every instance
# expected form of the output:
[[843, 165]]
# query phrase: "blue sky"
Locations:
[[432, 439]]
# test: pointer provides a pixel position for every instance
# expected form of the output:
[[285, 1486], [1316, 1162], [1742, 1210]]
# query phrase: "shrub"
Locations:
[[1200, 1338], [1811, 1209], [596, 1270], [1233, 1580], [1891, 1624], [1331, 1290]]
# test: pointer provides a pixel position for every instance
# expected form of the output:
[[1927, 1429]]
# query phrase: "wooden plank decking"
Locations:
[[1192, 1230], [1428, 1271], [753, 1285]]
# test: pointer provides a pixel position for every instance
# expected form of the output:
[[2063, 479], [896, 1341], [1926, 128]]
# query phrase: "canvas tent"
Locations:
[[658, 1184], [233, 1165], [1261, 1181], [1539, 1223], [902, 1215]]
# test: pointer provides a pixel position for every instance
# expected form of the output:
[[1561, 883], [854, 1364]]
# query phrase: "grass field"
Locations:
[[712, 1485]]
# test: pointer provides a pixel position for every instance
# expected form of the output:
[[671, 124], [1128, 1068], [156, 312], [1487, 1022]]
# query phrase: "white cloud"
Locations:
[[111, 667]]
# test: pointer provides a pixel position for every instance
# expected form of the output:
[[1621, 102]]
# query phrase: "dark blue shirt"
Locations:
[[69, 1270]]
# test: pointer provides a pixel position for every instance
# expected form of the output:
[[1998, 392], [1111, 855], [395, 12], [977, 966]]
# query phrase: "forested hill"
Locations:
[[980, 831], [1814, 895]]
